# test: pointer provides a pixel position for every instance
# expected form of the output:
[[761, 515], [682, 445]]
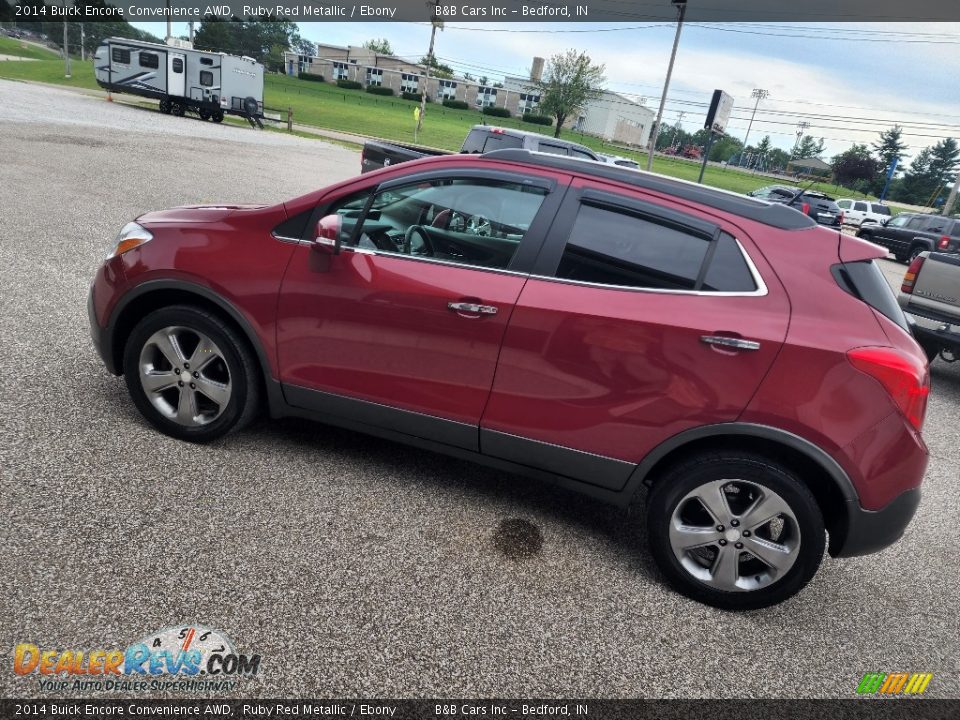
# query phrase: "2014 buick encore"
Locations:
[[601, 328]]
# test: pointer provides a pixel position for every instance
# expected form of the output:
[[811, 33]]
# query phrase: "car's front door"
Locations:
[[402, 329], [897, 233]]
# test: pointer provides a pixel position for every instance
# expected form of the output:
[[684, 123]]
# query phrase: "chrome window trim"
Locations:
[[434, 261], [761, 290]]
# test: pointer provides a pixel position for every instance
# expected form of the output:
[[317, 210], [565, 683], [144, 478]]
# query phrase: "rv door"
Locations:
[[176, 74]]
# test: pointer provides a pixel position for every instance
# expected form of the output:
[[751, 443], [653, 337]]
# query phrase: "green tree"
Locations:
[[808, 148], [379, 45], [437, 68], [919, 184], [777, 160], [944, 159], [854, 165], [571, 80], [483, 80], [889, 146]]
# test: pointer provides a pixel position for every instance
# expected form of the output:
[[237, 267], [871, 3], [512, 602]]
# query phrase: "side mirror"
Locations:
[[327, 239]]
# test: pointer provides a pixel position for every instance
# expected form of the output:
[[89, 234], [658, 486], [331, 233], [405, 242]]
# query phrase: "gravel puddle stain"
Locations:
[[518, 539]]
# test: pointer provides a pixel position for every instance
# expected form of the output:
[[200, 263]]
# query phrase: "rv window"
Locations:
[[206, 78], [149, 60], [206, 61], [177, 65], [121, 56]]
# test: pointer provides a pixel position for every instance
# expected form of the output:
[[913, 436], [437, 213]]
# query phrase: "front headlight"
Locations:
[[132, 235]]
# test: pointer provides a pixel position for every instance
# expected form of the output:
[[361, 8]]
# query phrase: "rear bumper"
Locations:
[[868, 531]]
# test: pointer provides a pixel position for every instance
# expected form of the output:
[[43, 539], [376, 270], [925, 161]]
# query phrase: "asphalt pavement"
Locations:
[[355, 566]]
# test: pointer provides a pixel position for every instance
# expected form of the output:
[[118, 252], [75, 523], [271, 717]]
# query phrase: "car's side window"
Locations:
[[471, 221], [845, 204], [860, 206], [935, 224], [610, 246], [914, 223], [899, 221]]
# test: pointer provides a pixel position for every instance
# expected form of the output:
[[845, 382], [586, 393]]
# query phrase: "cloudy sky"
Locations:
[[848, 81]]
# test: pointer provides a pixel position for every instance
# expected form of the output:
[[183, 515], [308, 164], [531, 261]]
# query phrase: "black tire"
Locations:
[[217, 116], [238, 361], [177, 109], [931, 348], [752, 472], [204, 114], [251, 107], [914, 251], [164, 106]]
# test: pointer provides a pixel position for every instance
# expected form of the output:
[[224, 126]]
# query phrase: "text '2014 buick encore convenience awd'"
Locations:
[[600, 328]]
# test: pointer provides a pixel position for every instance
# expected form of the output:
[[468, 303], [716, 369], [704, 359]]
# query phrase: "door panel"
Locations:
[[378, 328], [176, 74]]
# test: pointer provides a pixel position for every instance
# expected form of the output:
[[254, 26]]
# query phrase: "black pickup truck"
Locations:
[[909, 234], [480, 139]]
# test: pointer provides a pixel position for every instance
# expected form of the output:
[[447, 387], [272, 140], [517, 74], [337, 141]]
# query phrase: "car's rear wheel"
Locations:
[[190, 374], [914, 252], [735, 530]]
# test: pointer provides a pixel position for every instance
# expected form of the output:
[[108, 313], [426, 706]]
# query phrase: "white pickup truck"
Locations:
[[930, 295]]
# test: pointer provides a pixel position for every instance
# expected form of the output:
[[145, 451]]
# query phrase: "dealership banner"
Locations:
[[526, 708], [617, 11]]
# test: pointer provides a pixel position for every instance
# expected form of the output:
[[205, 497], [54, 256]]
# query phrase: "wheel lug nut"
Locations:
[[177, 370], [719, 528], [179, 383], [193, 386], [738, 546], [723, 542], [735, 523], [196, 374], [186, 366], [746, 533]]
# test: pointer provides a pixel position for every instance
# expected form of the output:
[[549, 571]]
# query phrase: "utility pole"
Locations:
[[676, 128], [190, 25], [83, 40], [434, 24], [66, 51], [952, 197], [801, 126], [682, 9], [759, 95]]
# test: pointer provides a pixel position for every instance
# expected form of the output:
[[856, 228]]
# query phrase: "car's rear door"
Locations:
[[642, 319], [402, 329]]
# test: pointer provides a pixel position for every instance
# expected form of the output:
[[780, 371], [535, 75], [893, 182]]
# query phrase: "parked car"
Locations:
[[618, 160], [909, 234], [598, 328], [480, 139], [814, 204], [858, 212], [930, 295]]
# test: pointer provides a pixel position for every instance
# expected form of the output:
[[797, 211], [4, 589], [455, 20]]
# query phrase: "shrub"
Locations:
[[538, 119], [311, 77], [496, 112], [375, 90], [412, 96], [456, 104], [349, 84]]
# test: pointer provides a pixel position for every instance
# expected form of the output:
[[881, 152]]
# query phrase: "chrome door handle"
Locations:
[[735, 343], [472, 308]]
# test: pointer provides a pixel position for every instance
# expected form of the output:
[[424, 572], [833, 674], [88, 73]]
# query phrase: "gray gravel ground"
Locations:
[[354, 566]]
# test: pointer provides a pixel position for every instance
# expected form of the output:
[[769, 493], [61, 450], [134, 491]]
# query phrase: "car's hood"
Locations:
[[194, 213]]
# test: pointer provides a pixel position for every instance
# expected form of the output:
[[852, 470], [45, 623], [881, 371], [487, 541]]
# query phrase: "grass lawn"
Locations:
[[327, 106], [12, 46]]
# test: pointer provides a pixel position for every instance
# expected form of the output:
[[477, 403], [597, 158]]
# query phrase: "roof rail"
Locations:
[[772, 214]]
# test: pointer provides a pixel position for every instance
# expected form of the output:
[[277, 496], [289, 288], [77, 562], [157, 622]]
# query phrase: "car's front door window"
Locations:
[[470, 221]]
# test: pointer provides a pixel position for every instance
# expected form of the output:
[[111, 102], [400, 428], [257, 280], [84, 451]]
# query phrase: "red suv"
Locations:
[[600, 328]]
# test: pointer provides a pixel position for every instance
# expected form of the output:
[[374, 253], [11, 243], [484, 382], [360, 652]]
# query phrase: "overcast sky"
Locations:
[[849, 81]]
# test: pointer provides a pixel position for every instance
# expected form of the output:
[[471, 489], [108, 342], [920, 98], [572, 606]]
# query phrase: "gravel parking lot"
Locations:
[[354, 566]]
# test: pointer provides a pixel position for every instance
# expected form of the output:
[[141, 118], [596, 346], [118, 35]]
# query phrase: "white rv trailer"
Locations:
[[182, 78]]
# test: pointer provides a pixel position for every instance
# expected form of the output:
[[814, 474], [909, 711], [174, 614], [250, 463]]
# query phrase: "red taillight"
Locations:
[[906, 381], [910, 277], [806, 208], [944, 243], [841, 217], [497, 131]]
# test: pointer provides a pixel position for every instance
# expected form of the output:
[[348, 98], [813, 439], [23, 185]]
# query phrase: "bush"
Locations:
[[311, 77], [456, 104], [412, 96], [538, 119], [496, 112], [349, 84], [375, 90]]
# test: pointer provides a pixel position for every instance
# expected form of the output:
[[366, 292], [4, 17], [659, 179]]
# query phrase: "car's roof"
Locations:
[[500, 130], [773, 214]]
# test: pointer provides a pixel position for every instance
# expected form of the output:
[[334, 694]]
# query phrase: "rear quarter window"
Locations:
[[880, 209]]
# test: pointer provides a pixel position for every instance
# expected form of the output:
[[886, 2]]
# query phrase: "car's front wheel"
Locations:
[[190, 374], [735, 530]]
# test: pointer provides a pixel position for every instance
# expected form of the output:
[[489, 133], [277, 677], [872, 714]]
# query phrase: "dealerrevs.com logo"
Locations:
[[189, 657]]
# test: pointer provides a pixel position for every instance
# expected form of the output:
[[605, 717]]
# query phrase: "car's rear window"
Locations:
[[865, 280], [501, 142], [880, 209]]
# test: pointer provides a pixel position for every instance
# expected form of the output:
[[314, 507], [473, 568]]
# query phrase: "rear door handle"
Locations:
[[466, 307], [730, 342]]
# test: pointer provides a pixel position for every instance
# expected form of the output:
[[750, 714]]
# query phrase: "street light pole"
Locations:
[[682, 8], [66, 51], [759, 95], [434, 24], [676, 128]]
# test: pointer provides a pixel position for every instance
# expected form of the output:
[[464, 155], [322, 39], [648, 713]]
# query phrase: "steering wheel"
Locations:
[[479, 225], [426, 246]]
